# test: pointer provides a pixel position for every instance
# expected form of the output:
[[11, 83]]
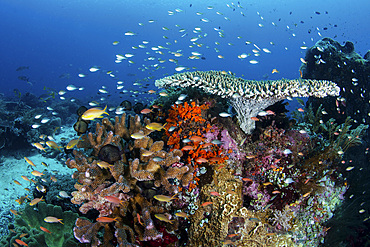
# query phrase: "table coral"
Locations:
[[249, 97]]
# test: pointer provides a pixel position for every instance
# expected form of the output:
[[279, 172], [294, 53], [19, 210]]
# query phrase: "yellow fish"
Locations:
[[37, 173], [52, 219], [105, 165], [155, 126], [163, 217], [29, 161], [182, 214], [163, 198], [38, 146], [275, 71], [53, 145], [93, 113], [72, 143], [35, 201], [137, 136]]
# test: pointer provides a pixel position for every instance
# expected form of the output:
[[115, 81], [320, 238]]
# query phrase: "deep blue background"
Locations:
[[68, 37]]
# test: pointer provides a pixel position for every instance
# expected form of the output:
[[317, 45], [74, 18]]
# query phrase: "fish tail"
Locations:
[[60, 221], [105, 108]]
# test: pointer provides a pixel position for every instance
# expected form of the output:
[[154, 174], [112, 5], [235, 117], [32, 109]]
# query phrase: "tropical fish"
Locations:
[[38, 146], [72, 143], [29, 161], [35, 201], [44, 229], [21, 199], [206, 204], [37, 173], [53, 145], [163, 217], [52, 219], [138, 135], [106, 219], [163, 198], [105, 165], [113, 199], [93, 113], [17, 182], [63, 194], [18, 241], [224, 114], [155, 126], [214, 193], [182, 214]]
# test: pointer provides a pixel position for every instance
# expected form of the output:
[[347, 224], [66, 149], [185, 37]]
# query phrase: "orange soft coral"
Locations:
[[186, 122]]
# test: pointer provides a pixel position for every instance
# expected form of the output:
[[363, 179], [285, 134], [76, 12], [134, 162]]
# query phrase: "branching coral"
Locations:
[[111, 185]]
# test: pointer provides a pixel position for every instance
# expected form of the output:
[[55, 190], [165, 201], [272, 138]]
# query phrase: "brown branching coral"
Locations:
[[113, 188], [87, 232]]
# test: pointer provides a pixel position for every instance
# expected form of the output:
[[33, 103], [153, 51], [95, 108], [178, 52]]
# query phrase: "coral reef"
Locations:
[[330, 60], [249, 97], [32, 219], [112, 182]]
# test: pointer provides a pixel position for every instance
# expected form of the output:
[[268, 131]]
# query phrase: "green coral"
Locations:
[[33, 217], [338, 136], [342, 136]]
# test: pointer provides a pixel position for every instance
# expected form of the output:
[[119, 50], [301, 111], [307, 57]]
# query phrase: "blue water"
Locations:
[[56, 38]]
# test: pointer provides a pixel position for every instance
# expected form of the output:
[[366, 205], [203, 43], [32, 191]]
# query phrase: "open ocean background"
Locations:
[[60, 39]]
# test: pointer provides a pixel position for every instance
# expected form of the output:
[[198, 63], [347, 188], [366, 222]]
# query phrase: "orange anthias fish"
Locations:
[[106, 219], [255, 119], [201, 160], [52, 219], [196, 138], [93, 113], [146, 111], [187, 148], [275, 71], [18, 241], [35, 201], [44, 229], [38, 146], [139, 219], [17, 182], [206, 204], [21, 199], [14, 212], [214, 193], [29, 161], [113, 199], [182, 214], [37, 173]]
